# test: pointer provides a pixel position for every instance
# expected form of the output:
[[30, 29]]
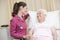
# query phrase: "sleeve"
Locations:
[[13, 30], [25, 16]]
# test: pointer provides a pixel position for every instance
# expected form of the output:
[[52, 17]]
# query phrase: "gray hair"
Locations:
[[42, 10]]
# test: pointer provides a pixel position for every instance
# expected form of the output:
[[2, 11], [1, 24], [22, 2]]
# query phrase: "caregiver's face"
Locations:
[[23, 9], [41, 16]]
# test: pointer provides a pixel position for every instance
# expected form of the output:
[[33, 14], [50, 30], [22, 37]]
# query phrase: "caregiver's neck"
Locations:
[[20, 14]]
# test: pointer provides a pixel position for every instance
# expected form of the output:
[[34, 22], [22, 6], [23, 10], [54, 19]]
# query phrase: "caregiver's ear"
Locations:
[[21, 7]]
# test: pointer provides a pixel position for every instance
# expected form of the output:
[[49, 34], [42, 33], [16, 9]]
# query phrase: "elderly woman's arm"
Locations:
[[54, 33], [31, 31]]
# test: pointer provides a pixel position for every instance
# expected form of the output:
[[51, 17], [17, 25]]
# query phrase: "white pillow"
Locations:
[[53, 18], [33, 18]]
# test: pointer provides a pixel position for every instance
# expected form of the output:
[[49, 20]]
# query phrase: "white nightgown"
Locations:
[[42, 31]]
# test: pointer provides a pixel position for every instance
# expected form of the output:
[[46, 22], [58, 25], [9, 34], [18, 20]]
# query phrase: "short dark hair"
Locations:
[[16, 7]]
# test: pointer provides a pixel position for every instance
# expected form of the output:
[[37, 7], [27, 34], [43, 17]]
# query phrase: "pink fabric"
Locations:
[[18, 27]]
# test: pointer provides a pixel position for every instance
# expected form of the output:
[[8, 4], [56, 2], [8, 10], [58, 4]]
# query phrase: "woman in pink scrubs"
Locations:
[[18, 26]]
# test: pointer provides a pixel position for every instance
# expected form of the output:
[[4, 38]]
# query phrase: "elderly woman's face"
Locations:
[[41, 16]]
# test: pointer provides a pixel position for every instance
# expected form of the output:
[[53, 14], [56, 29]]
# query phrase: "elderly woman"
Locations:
[[43, 30]]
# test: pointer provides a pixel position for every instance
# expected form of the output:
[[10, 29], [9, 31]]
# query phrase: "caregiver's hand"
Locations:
[[25, 36], [26, 14]]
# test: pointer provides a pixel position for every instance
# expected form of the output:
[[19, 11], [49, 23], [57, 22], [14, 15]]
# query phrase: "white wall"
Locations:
[[4, 12]]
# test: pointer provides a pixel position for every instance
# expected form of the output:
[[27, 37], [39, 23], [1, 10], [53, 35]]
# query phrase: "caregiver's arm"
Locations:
[[25, 16], [13, 27], [54, 33]]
